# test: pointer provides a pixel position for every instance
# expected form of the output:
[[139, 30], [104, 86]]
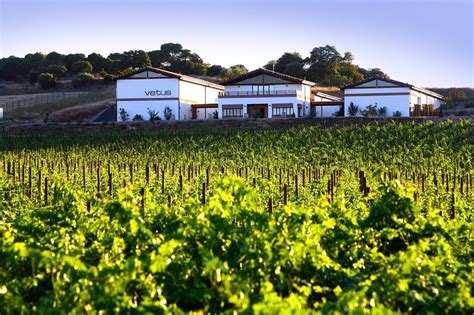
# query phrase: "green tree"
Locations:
[[47, 80], [457, 94], [57, 70], [35, 60], [234, 71], [215, 70], [53, 58], [82, 66], [173, 57], [13, 68], [156, 58], [289, 63], [70, 59], [33, 76], [322, 63], [344, 74], [99, 62], [135, 59], [82, 79], [374, 72]]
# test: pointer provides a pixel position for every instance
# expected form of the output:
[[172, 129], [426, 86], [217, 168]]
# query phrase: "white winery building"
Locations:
[[263, 93], [155, 89], [399, 99], [326, 105]]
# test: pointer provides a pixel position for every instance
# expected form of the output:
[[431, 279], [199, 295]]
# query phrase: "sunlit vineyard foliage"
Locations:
[[372, 219]]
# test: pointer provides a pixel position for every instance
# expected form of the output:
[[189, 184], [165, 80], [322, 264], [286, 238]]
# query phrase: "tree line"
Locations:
[[324, 65]]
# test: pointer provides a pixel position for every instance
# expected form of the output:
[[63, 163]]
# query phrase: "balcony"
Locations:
[[258, 93]]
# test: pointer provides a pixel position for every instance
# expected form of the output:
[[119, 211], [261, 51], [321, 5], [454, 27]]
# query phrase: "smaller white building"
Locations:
[[263, 93], [326, 105], [395, 98], [151, 89]]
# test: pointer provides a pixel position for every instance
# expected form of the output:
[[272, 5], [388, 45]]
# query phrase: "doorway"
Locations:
[[257, 111]]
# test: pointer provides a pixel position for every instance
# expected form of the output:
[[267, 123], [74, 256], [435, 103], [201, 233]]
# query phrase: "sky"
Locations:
[[428, 43]]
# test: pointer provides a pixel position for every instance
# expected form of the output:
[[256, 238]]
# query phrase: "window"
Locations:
[[232, 112], [282, 111]]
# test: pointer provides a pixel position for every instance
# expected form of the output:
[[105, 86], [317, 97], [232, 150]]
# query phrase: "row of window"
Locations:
[[232, 112], [282, 111], [276, 111]]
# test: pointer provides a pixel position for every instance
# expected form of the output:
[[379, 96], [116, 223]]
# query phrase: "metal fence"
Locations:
[[23, 101]]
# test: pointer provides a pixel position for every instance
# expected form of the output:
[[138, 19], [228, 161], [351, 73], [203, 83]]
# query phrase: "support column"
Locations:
[[244, 111], [295, 109], [270, 110]]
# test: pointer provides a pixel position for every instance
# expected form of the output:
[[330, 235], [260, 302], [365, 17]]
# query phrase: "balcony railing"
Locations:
[[258, 93]]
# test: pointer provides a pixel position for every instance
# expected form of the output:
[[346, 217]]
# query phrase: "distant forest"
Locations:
[[324, 65]]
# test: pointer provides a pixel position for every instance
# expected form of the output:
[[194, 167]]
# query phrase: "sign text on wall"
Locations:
[[158, 93]]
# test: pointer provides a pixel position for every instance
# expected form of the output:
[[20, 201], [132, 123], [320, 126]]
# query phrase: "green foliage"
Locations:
[[167, 112], [234, 71], [108, 78], [353, 109], [469, 103], [135, 59], [153, 115], [146, 248], [82, 66], [57, 70], [33, 76], [138, 117], [70, 59], [47, 80], [82, 79], [98, 62], [369, 110], [215, 70], [123, 114], [289, 63], [325, 65]]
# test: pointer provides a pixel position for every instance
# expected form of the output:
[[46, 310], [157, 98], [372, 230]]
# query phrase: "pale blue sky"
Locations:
[[424, 42]]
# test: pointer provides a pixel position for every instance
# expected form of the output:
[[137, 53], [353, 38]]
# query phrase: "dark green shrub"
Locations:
[[81, 66], [168, 112], [124, 116], [353, 109], [57, 70], [138, 117], [82, 79], [108, 78], [469, 103], [47, 80], [153, 115], [370, 110]]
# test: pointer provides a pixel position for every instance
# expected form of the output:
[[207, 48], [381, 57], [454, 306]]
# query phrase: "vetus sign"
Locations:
[[158, 93]]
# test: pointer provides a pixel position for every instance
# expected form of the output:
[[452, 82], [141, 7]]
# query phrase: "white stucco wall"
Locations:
[[416, 96], [205, 113], [137, 95], [395, 99], [303, 97], [146, 88], [141, 108], [258, 100]]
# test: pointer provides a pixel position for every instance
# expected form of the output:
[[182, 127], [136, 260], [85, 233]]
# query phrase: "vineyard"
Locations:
[[354, 219]]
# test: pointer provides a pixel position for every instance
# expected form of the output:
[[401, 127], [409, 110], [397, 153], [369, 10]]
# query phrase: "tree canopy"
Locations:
[[324, 65]]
